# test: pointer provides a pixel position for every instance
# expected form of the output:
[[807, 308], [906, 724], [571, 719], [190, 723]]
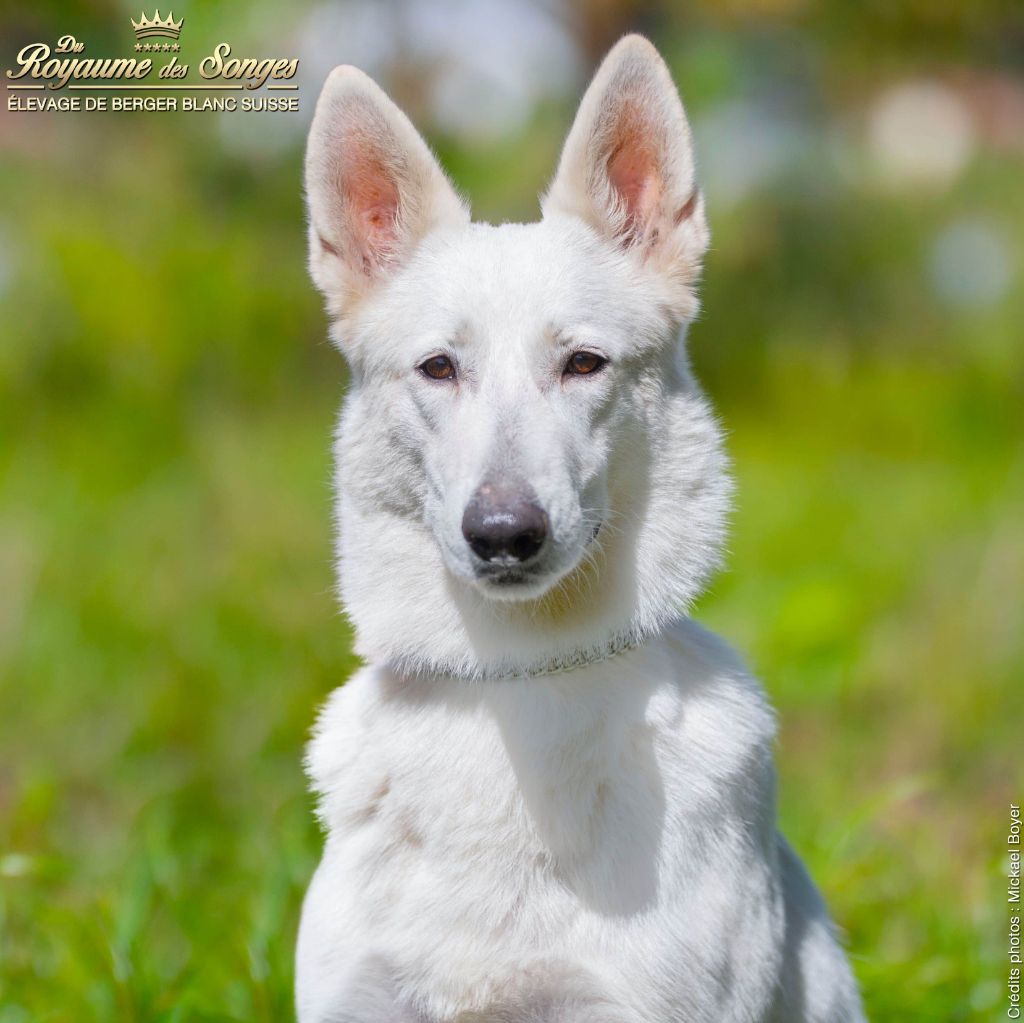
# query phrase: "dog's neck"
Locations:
[[669, 492], [559, 664]]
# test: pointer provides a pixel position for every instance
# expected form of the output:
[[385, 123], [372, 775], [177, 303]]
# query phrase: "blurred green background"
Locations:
[[167, 624]]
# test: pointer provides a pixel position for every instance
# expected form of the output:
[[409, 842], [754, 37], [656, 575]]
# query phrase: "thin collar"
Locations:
[[560, 665]]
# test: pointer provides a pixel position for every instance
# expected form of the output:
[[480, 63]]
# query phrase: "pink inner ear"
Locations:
[[372, 198], [377, 212], [634, 175]]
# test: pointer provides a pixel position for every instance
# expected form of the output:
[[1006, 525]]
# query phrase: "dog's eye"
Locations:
[[438, 367], [582, 363]]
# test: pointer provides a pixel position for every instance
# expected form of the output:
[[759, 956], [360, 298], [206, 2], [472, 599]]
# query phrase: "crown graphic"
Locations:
[[155, 27]]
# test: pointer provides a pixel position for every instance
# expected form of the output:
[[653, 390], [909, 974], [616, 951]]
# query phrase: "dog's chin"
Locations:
[[513, 584]]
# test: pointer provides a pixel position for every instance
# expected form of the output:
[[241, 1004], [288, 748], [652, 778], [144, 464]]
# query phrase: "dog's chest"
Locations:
[[497, 817], [583, 823]]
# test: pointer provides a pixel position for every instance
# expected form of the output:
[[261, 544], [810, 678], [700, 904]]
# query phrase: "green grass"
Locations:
[[167, 623]]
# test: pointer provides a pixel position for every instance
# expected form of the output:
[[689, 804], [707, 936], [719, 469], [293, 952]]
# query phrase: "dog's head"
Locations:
[[526, 467]]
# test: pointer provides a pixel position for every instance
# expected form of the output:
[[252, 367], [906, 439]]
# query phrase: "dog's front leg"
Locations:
[[365, 994], [556, 992], [582, 1012], [550, 1012], [336, 981], [373, 999]]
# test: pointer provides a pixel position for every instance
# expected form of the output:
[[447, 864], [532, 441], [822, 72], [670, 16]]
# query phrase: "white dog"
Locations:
[[549, 796]]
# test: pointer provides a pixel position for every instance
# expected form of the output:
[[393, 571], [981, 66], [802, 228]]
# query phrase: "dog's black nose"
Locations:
[[504, 525]]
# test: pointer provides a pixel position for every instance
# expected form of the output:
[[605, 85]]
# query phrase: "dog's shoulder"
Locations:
[[379, 724], [707, 671], [337, 747], [720, 713]]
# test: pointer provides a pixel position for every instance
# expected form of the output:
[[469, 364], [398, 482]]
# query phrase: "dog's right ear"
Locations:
[[373, 187]]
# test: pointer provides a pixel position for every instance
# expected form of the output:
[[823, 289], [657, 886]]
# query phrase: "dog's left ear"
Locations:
[[627, 168]]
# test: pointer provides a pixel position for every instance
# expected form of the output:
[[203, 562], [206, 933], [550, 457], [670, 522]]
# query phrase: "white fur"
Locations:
[[552, 801]]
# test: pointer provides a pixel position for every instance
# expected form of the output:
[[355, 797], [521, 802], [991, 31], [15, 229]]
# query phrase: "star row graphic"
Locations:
[[156, 47]]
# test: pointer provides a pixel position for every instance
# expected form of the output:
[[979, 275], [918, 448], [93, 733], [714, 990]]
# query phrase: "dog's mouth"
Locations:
[[512, 580]]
